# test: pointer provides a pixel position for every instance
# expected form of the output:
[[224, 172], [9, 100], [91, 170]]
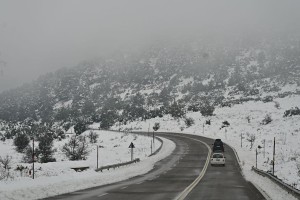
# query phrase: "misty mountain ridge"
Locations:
[[161, 79]]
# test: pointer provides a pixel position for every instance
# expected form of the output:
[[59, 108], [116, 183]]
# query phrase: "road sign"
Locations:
[[131, 145]]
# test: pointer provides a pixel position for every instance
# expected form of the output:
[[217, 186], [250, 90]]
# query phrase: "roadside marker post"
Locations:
[[131, 146]]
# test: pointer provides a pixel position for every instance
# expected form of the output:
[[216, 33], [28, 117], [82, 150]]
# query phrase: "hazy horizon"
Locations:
[[37, 37]]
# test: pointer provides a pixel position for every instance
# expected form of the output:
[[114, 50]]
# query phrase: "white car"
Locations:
[[217, 159]]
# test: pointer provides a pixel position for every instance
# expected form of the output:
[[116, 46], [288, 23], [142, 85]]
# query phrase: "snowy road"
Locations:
[[173, 174]]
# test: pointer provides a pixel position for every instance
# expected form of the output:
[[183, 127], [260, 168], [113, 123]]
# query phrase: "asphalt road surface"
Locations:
[[172, 175]]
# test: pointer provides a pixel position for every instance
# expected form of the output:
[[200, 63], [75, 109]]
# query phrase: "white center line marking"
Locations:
[[102, 194], [124, 187], [238, 186]]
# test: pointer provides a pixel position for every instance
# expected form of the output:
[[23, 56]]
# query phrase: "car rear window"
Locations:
[[217, 156]]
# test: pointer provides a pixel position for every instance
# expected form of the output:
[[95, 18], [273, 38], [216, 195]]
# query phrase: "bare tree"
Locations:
[[5, 167], [6, 162], [251, 138], [248, 118]]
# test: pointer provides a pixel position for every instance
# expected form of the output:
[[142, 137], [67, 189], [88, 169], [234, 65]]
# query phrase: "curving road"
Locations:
[[172, 175]]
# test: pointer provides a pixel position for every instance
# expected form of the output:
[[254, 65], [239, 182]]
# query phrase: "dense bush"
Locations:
[[93, 137], [59, 134], [176, 110], [80, 127], [291, 112], [207, 110], [27, 158], [266, 120], [76, 148], [156, 126], [45, 148], [225, 124], [21, 141], [267, 99], [108, 118], [189, 121]]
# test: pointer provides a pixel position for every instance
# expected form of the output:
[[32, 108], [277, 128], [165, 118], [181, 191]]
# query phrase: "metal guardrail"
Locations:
[[143, 133], [79, 169], [117, 165], [130, 162], [290, 189], [137, 132]]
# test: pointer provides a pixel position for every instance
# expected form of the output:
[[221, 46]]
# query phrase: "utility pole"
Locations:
[[97, 155], [256, 158], [274, 157], [33, 157], [203, 129], [151, 147], [153, 137]]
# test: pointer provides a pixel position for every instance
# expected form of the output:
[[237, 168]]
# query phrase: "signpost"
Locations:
[[131, 146], [256, 153]]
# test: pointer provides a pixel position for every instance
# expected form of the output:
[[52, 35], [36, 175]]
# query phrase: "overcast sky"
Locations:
[[38, 36]]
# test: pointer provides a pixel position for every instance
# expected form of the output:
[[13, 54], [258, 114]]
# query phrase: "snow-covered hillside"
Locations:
[[57, 177]]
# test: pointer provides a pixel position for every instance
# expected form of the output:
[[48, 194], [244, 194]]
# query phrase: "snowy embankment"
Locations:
[[246, 120], [58, 177]]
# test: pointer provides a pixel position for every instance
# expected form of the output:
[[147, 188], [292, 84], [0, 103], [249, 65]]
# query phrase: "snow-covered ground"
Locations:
[[58, 177], [246, 119]]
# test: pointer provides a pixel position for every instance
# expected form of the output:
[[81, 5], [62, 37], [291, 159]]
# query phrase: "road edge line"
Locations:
[[264, 193]]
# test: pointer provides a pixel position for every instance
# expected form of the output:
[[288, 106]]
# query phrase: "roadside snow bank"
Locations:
[[43, 186]]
